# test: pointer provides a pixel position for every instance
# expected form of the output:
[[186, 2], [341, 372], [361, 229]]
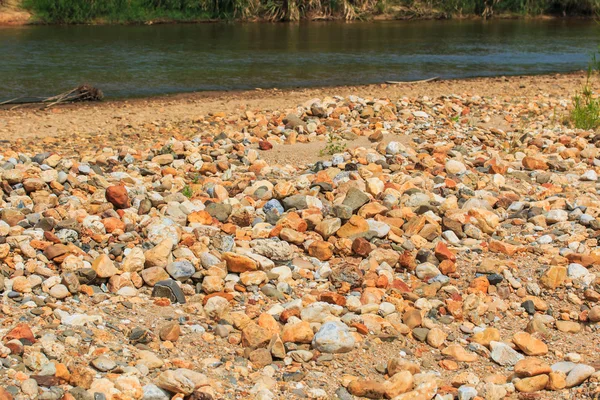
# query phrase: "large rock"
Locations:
[[503, 354], [160, 255], [333, 337], [181, 380], [117, 196]]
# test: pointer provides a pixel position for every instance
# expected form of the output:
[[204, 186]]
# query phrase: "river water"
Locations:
[[129, 61]]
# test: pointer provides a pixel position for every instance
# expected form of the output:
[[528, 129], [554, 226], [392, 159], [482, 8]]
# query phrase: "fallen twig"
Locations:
[[435, 78]]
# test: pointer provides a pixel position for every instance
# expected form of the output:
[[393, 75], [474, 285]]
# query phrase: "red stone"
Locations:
[[264, 145], [20, 332], [361, 247], [332, 298], [117, 195], [442, 252]]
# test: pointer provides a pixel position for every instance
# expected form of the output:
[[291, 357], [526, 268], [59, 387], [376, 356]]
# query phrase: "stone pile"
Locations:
[[440, 259]]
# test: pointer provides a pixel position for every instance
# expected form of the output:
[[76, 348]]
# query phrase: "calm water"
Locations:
[[149, 60]]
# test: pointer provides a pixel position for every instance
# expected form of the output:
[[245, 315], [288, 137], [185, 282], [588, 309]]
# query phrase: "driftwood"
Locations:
[[435, 78], [80, 93]]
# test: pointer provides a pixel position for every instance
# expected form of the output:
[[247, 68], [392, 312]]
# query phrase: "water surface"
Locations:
[[129, 61]]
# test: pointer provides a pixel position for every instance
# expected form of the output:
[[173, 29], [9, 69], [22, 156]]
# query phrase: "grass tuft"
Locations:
[[586, 110]]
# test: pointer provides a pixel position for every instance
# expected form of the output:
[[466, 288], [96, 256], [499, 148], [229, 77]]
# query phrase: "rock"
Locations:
[[181, 270], [117, 196], [554, 276], [261, 357], [170, 331], [181, 380], [239, 263], [529, 345], [436, 338], [455, 167], [594, 314], [532, 384], [321, 250], [104, 267], [531, 366], [170, 290], [160, 255], [398, 383], [367, 388], [466, 392], [568, 326], [104, 363], [457, 353], [299, 332], [579, 374], [503, 354], [333, 337], [355, 198]]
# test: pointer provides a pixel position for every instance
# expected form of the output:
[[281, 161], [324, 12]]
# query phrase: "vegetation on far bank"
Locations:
[[131, 11]]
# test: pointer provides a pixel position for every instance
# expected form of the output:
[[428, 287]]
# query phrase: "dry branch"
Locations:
[[80, 93]]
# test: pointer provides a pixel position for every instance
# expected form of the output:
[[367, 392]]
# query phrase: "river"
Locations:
[[131, 61]]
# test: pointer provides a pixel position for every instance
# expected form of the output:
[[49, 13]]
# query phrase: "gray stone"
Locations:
[[104, 363], [153, 392], [333, 337], [181, 270], [355, 198], [169, 289], [219, 211], [503, 354], [579, 374], [297, 201]]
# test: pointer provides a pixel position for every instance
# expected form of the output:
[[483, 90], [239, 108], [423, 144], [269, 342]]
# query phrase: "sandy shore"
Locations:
[[146, 116]]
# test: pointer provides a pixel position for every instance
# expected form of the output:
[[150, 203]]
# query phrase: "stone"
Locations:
[[529, 345], [104, 266], [503, 354], [398, 383], [181, 270], [321, 250], [554, 276], [531, 366], [117, 196], [579, 374], [455, 167], [239, 263], [170, 331], [169, 289], [568, 326], [181, 380], [160, 255], [104, 363], [299, 332], [355, 198], [532, 384], [436, 338], [458, 353], [333, 337]]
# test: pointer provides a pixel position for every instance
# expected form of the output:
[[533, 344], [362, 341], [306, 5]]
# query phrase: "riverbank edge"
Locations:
[[15, 18], [251, 94]]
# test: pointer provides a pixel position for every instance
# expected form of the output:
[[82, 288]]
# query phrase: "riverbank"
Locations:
[[427, 241], [101, 122], [15, 12]]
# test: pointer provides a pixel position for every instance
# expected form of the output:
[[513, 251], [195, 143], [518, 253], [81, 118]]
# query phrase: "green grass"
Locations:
[[335, 144], [586, 106], [86, 11], [187, 192]]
